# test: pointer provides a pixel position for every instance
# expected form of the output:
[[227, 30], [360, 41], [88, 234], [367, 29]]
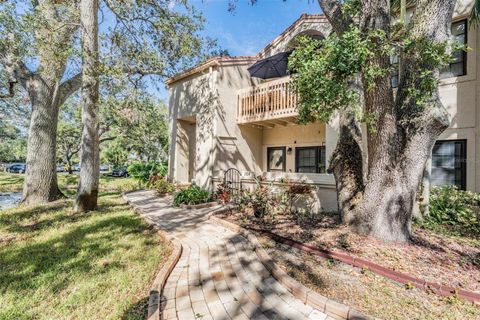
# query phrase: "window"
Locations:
[[458, 67], [449, 163], [310, 159], [276, 159], [395, 71]]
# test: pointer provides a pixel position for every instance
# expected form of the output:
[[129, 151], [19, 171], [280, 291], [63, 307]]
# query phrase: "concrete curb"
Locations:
[[334, 309], [156, 289]]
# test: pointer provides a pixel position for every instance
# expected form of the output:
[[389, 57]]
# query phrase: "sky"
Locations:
[[250, 28]]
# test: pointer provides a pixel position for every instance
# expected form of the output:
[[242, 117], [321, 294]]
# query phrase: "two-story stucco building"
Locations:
[[221, 118]]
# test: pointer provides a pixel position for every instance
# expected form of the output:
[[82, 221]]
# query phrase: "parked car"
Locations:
[[60, 168], [120, 172], [104, 168], [17, 168], [76, 167]]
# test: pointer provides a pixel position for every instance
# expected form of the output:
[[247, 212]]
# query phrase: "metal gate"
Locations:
[[233, 181]]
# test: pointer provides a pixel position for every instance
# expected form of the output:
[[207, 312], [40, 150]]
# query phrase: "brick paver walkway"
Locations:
[[218, 275]]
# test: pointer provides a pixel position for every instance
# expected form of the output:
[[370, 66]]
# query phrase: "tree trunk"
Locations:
[[47, 94], [87, 194], [346, 166], [69, 164], [40, 184], [424, 201], [383, 204]]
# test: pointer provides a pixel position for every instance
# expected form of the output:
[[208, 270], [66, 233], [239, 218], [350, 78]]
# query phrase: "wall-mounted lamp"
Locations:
[[289, 150]]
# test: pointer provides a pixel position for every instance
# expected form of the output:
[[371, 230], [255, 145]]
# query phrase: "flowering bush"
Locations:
[[223, 193], [260, 200]]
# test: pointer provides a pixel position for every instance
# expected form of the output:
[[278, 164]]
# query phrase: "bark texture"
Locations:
[[400, 141], [47, 93], [41, 177], [87, 194], [346, 166]]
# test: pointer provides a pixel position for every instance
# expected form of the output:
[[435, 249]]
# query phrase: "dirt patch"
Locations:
[[451, 261]]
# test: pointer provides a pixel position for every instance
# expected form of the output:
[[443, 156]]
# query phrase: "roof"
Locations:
[[303, 18], [216, 61]]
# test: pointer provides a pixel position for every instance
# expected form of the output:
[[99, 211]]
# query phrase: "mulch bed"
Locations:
[[447, 260]]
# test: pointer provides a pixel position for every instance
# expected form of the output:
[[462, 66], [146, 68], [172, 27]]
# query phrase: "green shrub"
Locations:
[[163, 186], [260, 200], [143, 171], [192, 195], [454, 209]]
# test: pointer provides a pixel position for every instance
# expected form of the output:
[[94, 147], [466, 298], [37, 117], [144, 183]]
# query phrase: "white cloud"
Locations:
[[248, 47]]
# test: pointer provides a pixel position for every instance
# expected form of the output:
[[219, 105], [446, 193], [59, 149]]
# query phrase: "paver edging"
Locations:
[[311, 298], [442, 290], [358, 262], [156, 289]]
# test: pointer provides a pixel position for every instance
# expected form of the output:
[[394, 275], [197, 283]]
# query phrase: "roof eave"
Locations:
[[212, 62]]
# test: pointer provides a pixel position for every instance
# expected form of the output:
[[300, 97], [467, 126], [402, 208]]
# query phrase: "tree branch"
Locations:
[[107, 139], [69, 87], [340, 20], [15, 68], [143, 72]]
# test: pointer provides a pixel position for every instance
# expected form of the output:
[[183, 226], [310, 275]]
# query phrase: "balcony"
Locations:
[[268, 104]]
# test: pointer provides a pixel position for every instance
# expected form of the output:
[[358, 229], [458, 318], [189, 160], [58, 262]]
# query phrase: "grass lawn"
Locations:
[[11, 182], [56, 264]]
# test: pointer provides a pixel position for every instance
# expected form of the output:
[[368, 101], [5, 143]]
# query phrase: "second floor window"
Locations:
[[458, 67]]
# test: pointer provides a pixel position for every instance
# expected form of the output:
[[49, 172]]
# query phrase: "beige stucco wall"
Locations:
[[292, 136], [460, 95], [210, 100], [236, 146], [193, 100]]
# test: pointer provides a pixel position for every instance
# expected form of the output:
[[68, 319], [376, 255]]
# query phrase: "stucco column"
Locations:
[[172, 129]]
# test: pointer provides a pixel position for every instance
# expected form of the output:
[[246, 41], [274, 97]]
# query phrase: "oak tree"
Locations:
[[349, 74]]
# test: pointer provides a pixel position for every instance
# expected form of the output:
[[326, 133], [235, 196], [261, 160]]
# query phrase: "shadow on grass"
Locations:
[[11, 179], [138, 310], [59, 259], [34, 219]]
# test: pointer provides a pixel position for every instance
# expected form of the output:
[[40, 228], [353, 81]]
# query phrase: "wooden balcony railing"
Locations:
[[267, 101]]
